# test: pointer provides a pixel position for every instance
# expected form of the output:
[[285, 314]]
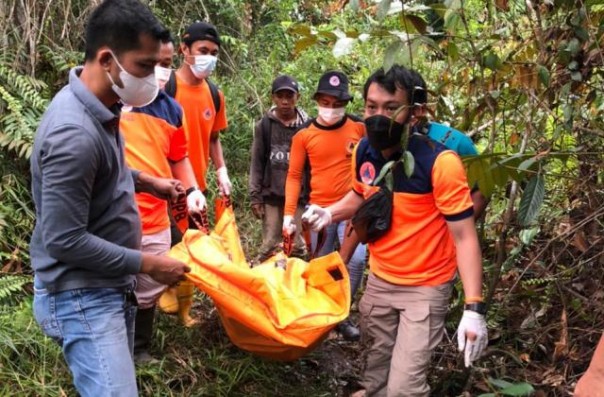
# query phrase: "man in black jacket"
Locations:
[[270, 160]]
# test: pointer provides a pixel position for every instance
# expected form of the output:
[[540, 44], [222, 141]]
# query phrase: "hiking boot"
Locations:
[[348, 331], [143, 332]]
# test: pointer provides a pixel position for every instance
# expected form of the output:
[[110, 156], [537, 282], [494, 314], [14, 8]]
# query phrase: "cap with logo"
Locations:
[[334, 83], [285, 82], [201, 31]]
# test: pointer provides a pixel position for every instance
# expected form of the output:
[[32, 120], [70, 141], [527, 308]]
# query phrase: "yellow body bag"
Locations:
[[280, 309]]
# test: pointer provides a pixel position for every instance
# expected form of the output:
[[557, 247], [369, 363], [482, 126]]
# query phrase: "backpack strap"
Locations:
[[265, 124], [170, 87], [215, 92]]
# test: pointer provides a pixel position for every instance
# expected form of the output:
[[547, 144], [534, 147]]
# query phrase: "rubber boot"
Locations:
[[168, 301], [184, 292], [143, 332], [348, 331]]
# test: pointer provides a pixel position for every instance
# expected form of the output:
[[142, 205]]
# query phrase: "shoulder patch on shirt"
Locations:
[[207, 114], [367, 173]]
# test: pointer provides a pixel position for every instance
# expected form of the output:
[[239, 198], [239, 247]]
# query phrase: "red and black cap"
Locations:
[[201, 31], [334, 83]]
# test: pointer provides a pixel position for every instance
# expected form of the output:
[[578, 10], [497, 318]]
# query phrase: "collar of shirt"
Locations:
[[107, 116]]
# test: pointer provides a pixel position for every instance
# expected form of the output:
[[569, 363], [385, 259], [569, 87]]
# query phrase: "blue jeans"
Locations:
[[356, 265], [95, 329]]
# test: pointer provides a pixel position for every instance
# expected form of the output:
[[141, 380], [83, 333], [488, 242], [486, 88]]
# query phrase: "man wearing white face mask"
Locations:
[[204, 117], [156, 143], [85, 247], [327, 143]]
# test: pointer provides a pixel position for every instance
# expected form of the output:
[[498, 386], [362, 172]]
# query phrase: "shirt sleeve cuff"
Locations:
[[462, 215], [133, 260]]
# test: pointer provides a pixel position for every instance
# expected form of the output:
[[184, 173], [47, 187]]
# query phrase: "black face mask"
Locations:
[[383, 132]]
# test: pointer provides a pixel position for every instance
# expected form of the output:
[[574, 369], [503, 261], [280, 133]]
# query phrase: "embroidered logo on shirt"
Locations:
[[207, 114], [367, 173]]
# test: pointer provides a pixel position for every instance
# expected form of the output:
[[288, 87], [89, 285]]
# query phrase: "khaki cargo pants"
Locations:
[[400, 327]]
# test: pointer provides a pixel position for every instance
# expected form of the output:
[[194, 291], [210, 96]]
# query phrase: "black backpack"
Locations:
[[170, 89]]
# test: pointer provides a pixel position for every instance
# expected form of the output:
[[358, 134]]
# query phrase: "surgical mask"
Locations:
[[330, 116], [162, 75], [203, 65], [383, 132], [136, 91]]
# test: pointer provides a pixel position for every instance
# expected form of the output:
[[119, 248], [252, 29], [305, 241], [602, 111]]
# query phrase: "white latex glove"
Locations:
[[316, 217], [224, 183], [289, 226], [472, 322], [196, 202]]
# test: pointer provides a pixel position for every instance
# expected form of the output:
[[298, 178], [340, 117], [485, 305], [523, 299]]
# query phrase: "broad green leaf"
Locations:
[[500, 383], [531, 200], [526, 164], [544, 75], [408, 163], [519, 389], [500, 174], [452, 51], [304, 43], [327, 34], [488, 395], [581, 33], [391, 54], [439, 8], [383, 9], [576, 76], [385, 170], [491, 61], [452, 21], [414, 22], [301, 29], [479, 173], [390, 181], [574, 46], [527, 235]]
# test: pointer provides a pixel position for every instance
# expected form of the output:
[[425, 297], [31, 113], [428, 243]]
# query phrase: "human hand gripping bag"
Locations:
[[280, 309]]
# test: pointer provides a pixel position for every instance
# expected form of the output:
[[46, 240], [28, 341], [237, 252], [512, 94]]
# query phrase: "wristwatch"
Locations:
[[478, 307]]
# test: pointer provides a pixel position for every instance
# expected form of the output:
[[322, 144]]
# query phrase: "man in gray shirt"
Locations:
[[85, 248]]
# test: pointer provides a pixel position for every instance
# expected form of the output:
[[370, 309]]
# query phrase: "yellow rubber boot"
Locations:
[[184, 292], [168, 301]]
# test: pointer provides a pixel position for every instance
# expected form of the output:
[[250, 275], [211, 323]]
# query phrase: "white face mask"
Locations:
[[203, 65], [330, 116], [162, 75], [136, 91]]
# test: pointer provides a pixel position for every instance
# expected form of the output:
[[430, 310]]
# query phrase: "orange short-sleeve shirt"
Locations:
[[328, 151], [201, 122], [154, 135], [418, 249]]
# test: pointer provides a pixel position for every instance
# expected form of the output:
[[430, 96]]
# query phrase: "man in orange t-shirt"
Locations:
[[200, 45], [414, 263], [327, 143], [156, 143]]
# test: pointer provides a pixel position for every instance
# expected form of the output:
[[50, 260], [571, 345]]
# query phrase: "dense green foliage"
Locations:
[[524, 78]]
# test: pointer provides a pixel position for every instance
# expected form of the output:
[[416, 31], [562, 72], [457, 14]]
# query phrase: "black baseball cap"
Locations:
[[334, 83], [285, 82], [201, 31]]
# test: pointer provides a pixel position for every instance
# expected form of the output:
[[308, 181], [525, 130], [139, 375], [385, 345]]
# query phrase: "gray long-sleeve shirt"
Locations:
[[88, 230]]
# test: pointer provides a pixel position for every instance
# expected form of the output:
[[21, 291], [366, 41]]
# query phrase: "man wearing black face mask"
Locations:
[[414, 264]]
